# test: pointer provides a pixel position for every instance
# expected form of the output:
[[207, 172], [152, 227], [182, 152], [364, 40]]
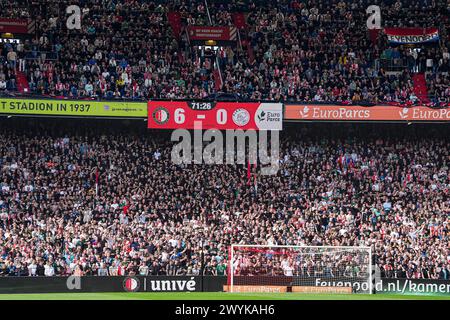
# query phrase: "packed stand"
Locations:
[[102, 198], [291, 50]]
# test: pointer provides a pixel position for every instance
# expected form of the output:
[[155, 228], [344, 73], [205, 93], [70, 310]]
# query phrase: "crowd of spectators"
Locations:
[[105, 199], [318, 52], [149, 216], [291, 50]]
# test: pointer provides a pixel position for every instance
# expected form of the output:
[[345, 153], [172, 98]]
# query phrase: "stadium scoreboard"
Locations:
[[215, 115]]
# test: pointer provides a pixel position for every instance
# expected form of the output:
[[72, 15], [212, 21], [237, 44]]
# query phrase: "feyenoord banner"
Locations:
[[215, 115], [23, 26], [359, 113], [204, 33], [411, 35]]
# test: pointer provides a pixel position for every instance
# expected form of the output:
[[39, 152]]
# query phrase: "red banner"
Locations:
[[16, 25], [214, 115], [359, 113], [205, 33]]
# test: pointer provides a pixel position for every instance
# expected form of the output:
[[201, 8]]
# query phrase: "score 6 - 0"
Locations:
[[215, 115]]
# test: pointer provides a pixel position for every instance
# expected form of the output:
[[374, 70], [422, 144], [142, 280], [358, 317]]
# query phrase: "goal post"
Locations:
[[307, 269]]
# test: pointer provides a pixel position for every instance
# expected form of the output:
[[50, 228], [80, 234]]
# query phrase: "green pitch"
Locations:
[[212, 296]]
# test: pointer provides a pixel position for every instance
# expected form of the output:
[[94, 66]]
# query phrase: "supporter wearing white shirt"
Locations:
[[32, 268], [102, 271], [164, 256], [143, 270], [98, 55], [288, 271], [173, 242], [72, 265], [89, 88], [284, 263]]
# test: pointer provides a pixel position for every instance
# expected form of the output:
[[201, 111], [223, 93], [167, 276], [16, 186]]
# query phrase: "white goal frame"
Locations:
[[345, 248]]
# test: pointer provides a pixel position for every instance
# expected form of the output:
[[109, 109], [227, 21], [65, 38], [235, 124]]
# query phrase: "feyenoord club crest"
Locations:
[[131, 284], [161, 115]]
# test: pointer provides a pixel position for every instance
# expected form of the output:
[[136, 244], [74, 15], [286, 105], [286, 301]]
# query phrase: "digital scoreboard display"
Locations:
[[215, 115]]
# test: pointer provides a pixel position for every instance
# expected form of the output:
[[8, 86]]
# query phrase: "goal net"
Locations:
[[307, 269]]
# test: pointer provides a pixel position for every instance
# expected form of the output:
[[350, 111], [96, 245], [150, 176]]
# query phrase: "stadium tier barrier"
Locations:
[[17, 285]]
